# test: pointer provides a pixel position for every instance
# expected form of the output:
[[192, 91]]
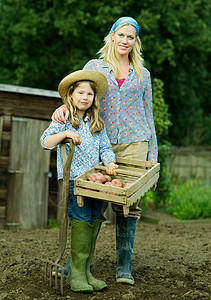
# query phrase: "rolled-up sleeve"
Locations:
[[53, 128], [147, 101]]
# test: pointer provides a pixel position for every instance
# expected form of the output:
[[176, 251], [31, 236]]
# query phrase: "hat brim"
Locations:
[[98, 78]]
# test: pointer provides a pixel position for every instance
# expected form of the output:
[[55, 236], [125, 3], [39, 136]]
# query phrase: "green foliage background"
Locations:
[[43, 40], [190, 200]]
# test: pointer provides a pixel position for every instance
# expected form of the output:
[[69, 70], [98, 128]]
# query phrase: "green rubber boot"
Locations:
[[81, 236], [95, 283]]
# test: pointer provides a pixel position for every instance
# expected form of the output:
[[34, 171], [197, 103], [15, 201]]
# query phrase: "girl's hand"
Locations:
[[74, 136], [61, 114], [111, 168]]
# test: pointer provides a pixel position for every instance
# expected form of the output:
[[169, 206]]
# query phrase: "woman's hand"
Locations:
[[74, 136], [111, 168], [61, 114]]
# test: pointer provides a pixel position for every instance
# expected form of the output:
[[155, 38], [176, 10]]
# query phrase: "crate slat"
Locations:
[[142, 180], [140, 192], [99, 187], [100, 195], [121, 171], [135, 162]]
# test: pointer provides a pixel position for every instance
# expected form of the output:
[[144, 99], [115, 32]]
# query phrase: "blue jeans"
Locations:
[[91, 210]]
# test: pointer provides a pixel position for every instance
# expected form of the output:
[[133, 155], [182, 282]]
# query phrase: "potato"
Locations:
[[100, 177], [107, 177], [108, 183], [98, 181], [117, 182], [92, 177]]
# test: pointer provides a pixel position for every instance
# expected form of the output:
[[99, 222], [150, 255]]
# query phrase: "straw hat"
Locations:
[[98, 78]]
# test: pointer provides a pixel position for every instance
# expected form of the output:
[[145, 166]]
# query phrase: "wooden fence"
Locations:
[[191, 163]]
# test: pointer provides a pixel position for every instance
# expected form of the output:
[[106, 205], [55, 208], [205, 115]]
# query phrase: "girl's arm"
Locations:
[[54, 139], [106, 153]]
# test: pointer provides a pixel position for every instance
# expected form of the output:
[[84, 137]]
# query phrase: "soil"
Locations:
[[171, 261]]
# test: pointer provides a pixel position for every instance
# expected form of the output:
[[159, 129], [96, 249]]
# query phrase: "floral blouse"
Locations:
[[127, 111]]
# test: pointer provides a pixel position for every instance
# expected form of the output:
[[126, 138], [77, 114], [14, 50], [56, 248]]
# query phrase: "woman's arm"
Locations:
[[54, 139], [61, 114], [147, 101]]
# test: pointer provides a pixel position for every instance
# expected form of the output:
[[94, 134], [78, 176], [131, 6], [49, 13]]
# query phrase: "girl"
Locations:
[[81, 91], [127, 112]]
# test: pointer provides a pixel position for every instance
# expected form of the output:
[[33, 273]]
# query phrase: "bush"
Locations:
[[53, 223], [190, 200], [162, 124]]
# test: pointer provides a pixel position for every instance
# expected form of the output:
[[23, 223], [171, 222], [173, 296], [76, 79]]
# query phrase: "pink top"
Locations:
[[120, 81]]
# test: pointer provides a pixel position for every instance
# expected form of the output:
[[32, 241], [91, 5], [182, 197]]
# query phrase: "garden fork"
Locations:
[[66, 160]]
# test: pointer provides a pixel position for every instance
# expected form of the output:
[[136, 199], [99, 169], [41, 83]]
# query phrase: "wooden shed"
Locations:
[[28, 184]]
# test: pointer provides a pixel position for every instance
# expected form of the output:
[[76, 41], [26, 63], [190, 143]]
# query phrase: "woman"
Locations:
[[126, 109]]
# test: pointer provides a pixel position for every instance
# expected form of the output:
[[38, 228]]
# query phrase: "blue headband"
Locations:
[[125, 20]]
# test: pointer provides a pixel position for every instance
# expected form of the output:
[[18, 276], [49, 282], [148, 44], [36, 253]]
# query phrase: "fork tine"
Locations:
[[62, 281], [56, 278], [50, 277], [49, 265]]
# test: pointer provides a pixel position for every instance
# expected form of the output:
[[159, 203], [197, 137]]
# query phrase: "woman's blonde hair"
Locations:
[[107, 53], [96, 123]]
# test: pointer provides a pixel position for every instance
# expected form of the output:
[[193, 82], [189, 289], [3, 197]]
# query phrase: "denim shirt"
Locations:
[[127, 111], [87, 154]]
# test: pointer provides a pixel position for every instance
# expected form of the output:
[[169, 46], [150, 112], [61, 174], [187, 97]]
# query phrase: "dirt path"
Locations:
[[171, 261]]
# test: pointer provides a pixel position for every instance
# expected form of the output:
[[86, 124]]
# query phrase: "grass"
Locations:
[[186, 200], [190, 200], [53, 223]]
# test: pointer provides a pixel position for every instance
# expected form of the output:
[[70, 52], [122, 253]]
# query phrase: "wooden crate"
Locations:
[[143, 175]]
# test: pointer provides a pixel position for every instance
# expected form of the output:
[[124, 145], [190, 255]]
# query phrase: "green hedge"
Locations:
[[190, 200]]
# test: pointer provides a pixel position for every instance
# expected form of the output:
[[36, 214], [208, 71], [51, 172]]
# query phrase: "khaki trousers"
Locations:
[[137, 150]]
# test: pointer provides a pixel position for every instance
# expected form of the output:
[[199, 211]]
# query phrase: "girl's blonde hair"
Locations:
[[96, 123], [107, 53]]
